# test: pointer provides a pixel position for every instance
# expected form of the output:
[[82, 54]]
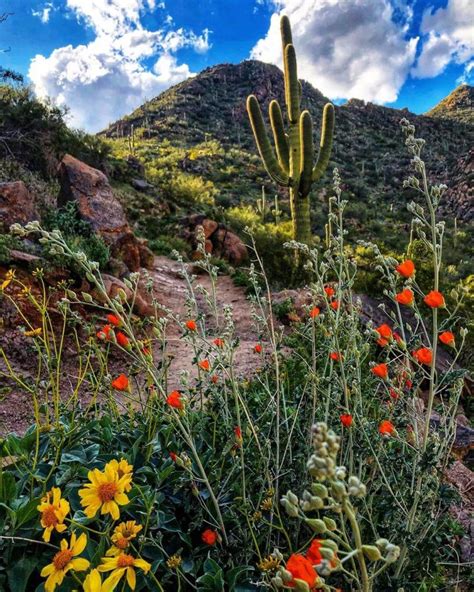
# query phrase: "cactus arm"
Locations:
[[272, 166], [285, 30], [291, 82], [281, 142], [327, 132], [307, 149]]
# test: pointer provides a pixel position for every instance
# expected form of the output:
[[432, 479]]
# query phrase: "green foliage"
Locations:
[[77, 234]]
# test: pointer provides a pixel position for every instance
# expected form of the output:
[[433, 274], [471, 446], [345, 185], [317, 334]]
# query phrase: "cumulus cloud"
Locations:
[[345, 48], [44, 13], [448, 37], [107, 78]]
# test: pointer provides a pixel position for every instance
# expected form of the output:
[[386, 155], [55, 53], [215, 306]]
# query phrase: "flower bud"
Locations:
[[372, 552], [320, 490], [330, 523], [317, 526], [87, 297]]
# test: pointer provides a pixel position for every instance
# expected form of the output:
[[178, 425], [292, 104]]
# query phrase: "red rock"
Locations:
[[16, 205]]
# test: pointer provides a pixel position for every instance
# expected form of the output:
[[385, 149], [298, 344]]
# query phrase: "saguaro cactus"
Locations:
[[290, 164]]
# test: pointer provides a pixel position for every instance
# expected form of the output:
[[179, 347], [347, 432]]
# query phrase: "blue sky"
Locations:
[[114, 54]]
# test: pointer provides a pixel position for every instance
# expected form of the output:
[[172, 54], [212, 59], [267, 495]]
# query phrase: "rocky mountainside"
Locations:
[[458, 105], [368, 147]]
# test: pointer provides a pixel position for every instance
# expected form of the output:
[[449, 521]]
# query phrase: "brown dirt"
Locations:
[[170, 290]]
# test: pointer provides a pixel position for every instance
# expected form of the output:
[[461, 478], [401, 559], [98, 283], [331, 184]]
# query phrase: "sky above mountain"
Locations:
[[103, 58]]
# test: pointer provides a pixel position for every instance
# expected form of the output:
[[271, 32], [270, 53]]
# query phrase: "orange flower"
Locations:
[[258, 348], [114, 320], [301, 569], [346, 420], [218, 342], [423, 356], [380, 370], [329, 290], [448, 338], [335, 304], [173, 456], [393, 394], [104, 333], [174, 400], [385, 333], [434, 299], [336, 356], [209, 536], [120, 383], [122, 339], [204, 365], [386, 428], [313, 554], [314, 312], [405, 297], [214, 379], [406, 268], [191, 325]]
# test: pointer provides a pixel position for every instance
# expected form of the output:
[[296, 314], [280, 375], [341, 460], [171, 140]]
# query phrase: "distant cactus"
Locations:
[[291, 163]]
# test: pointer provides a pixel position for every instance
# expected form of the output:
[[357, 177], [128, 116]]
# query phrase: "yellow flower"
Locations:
[[93, 582], [119, 566], [33, 333], [105, 492], [53, 511], [65, 560], [123, 469], [8, 279], [123, 534], [174, 562]]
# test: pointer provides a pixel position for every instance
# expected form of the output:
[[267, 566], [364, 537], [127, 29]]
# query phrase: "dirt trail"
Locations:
[[170, 290]]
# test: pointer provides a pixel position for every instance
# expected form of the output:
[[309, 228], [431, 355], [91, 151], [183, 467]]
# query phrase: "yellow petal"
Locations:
[[121, 499], [93, 582], [47, 534], [47, 570], [80, 564], [142, 564], [78, 547], [112, 581], [131, 578]]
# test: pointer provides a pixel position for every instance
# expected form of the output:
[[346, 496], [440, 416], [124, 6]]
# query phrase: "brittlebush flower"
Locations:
[[191, 325], [105, 492], [406, 268], [122, 535], [405, 297], [93, 582], [301, 569], [65, 560], [386, 428], [314, 312], [423, 355], [204, 365], [174, 400], [120, 383], [33, 332], [54, 510], [380, 370], [123, 469], [119, 566], [448, 338], [346, 420], [209, 536], [434, 299]]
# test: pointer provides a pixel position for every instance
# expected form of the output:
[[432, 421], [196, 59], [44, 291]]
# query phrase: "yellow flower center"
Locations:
[[121, 543], [62, 558], [107, 491], [49, 517], [125, 561]]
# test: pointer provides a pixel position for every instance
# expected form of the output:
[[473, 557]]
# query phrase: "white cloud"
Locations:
[[44, 13], [449, 37], [345, 48], [107, 78]]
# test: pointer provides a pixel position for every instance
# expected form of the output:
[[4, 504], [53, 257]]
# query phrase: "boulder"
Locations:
[[142, 302], [16, 205], [98, 206], [141, 185], [229, 246]]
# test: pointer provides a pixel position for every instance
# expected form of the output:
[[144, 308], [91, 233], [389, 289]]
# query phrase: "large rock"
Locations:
[[229, 246], [16, 205], [98, 206], [142, 300]]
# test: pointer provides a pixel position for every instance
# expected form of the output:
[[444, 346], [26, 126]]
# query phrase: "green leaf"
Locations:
[[8, 489], [20, 573]]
